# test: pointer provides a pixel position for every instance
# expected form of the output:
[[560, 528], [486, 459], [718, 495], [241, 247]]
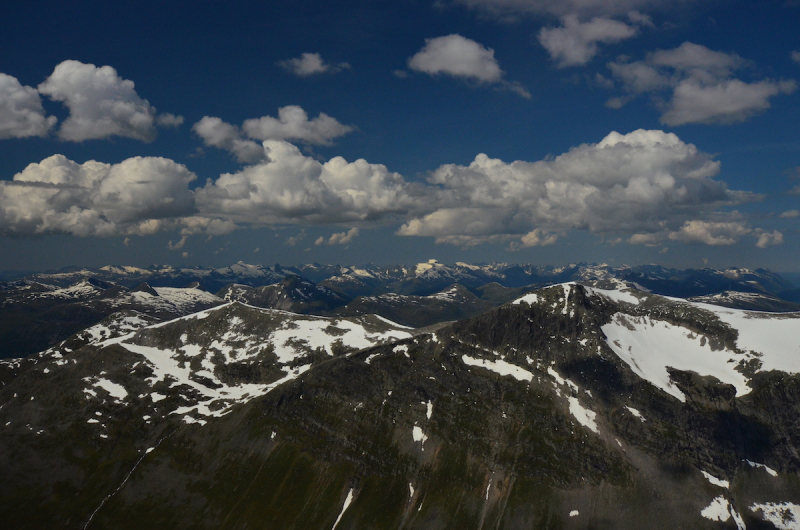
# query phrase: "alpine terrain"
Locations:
[[590, 404]]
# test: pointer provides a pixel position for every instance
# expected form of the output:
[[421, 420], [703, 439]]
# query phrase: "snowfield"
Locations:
[[649, 346], [189, 371]]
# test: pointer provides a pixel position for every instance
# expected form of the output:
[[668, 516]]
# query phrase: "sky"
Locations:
[[371, 131]]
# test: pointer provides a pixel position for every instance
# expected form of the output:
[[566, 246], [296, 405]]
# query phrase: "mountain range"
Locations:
[[40, 310], [579, 405]]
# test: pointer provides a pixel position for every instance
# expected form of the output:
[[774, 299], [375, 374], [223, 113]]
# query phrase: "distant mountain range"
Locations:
[[579, 405], [42, 309]]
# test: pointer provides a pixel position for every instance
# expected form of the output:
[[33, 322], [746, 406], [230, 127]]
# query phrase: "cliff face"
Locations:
[[551, 412]]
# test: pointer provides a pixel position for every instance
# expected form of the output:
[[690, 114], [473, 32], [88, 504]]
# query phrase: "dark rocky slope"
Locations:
[[523, 417]]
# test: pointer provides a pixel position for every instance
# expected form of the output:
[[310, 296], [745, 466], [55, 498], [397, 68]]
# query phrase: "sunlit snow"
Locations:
[[499, 366], [715, 481], [649, 346], [584, 416], [784, 515]]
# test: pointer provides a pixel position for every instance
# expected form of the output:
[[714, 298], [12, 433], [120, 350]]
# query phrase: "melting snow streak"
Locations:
[[347, 502]]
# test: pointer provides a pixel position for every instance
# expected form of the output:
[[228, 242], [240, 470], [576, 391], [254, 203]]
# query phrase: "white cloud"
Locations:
[[457, 56], [217, 133], [575, 43], [292, 241], [697, 60], [693, 84], [21, 111], [644, 182], [538, 238], [101, 104], [790, 214], [179, 245], [769, 239], [309, 64], [585, 8], [463, 58], [292, 123], [649, 184], [795, 55], [340, 238], [649, 240], [291, 187], [727, 101], [95, 199], [169, 120], [211, 226], [713, 233]]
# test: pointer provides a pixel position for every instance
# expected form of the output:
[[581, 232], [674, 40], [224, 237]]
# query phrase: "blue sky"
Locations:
[[625, 131]]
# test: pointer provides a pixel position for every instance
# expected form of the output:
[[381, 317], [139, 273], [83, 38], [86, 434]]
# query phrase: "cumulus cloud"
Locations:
[[649, 184], [95, 199], [727, 101], [769, 239], [340, 238], [217, 133], [290, 187], [457, 56], [292, 123], [649, 240], [712, 233], [309, 64], [169, 120], [790, 214], [584, 8], [536, 238], [644, 182], [101, 104], [293, 240], [575, 43], [693, 84], [795, 55], [463, 58], [21, 111]]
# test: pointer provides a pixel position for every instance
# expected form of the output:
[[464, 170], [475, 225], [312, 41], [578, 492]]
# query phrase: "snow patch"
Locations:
[[636, 413], [419, 436], [784, 515], [767, 469], [716, 481], [347, 502], [649, 346], [530, 299], [717, 510], [584, 416], [499, 366], [617, 296]]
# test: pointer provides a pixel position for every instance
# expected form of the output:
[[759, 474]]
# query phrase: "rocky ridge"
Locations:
[[571, 407]]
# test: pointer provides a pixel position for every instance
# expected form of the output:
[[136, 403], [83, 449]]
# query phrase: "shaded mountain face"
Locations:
[[749, 301], [453, 303], [572, 407], [431, 277], [494, 282], [209, 279], [293, 293], [35, 316], [297, 295]]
